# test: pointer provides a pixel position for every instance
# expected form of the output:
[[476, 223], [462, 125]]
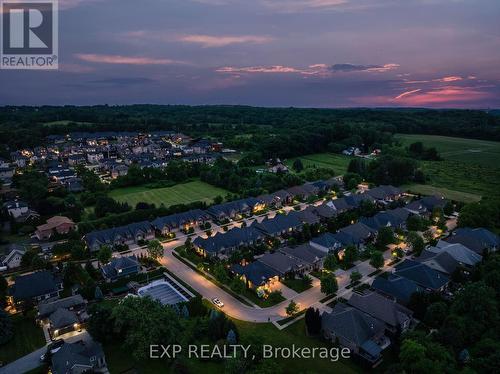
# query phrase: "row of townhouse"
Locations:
[[272, 267]]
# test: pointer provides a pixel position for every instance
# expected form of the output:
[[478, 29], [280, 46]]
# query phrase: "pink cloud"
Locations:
[[211, 41], [124, 60], [452, 78], [442, 95]]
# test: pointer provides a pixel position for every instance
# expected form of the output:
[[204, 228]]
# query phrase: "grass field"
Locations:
[[482, 152], [179, 194], [338, 163], [426, 189], [28, 337]]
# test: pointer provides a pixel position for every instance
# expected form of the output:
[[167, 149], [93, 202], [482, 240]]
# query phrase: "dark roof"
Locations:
[[35, 284], [442, 261], [304, 252], [118, 264], [324, 211], [383, 192], [358, 232], [278, 224], [387, 218], [351, 324], [421, 274], [380, 307], [233, 238], [281, 262], [307, 215], [257, 272], [477, 239], [79, 353], [233, 206], [62, 318], [176, 220], [46, 308], [398, 287], [327, 240], [108, 236]]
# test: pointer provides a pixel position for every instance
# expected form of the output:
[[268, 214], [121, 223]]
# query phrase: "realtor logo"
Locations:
[[29, 34]]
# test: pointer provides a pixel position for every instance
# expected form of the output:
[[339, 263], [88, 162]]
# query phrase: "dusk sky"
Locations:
[[304, 53]]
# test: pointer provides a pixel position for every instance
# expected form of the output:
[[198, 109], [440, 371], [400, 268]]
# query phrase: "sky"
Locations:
[[302, 53]]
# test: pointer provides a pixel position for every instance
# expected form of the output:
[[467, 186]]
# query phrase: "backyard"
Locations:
[[28, 337], [179, 194]]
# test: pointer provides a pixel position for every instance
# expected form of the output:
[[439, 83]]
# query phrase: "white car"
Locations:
[[217, 302]]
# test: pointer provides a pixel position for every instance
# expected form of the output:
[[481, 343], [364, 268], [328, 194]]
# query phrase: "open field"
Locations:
[[426, 189], [179, 194], [461, 176], [482, 152], [337, 162]]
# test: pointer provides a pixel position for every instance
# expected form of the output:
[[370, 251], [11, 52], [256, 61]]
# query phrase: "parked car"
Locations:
[[217, 302]]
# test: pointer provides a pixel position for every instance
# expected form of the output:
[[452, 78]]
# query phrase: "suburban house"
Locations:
[[222, 244], [478, 239], [354, 201], [395, 218], [327, 242], [284, 264], [324, 212], [309, 255], [35, 287], [184, 220], [426, 205], [385, 193], [358, 331], [359, 233], [423, 275], [256, 274], [307, 216], [282, 197], [278, 225], [120, 267], [80, 357], [16, 208], [447, 258], [233, 209], [397, 287], [396, 317], [123, 235], [13, 258], [55, 225], [303, 192]]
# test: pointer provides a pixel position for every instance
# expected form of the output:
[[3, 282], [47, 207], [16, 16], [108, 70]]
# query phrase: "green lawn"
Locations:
[[28, 337], [298, 285], [482, 152], [337, 162], [179, 194]]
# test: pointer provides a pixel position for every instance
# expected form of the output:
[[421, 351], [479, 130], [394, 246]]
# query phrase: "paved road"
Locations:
[[237, 309], [32, 360]]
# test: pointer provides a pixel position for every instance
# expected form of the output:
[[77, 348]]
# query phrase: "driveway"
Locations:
[[32, 360]]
